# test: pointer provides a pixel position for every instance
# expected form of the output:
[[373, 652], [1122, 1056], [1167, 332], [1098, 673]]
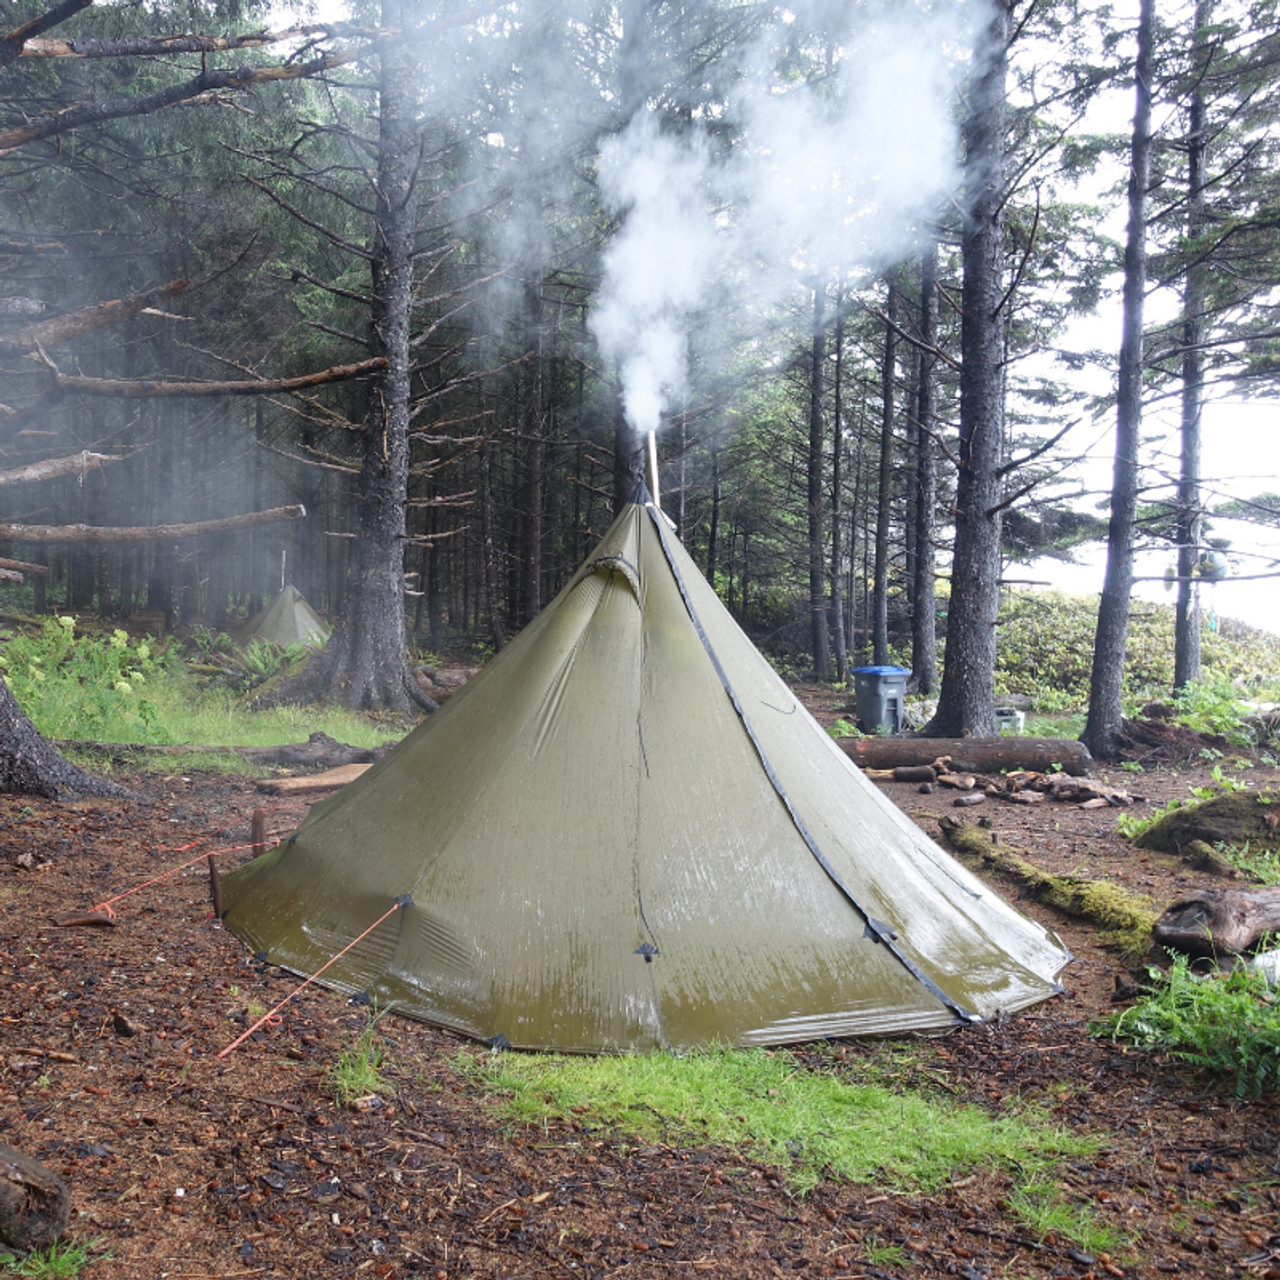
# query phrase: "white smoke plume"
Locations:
[[823, 181]]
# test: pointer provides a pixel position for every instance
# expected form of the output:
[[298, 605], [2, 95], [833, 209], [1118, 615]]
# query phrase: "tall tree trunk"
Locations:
[[817, 542], [1106, 709], [1186, 632], [837, 499], [713, 533], [366, 661], [966, 703], [884, 487], [534, 430], [924, 621]]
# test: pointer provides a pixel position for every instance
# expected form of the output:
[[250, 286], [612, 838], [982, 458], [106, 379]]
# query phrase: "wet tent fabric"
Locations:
[[627, 833], [288, 619]]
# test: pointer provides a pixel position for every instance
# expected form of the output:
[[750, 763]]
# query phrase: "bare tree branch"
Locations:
[[77, 464], [147, 389], [159, 46], [207, 82], [49, 333], [12, 44], [71, 533]]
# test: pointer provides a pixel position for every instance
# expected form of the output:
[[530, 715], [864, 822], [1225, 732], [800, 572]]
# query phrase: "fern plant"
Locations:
[[1225, 1023]]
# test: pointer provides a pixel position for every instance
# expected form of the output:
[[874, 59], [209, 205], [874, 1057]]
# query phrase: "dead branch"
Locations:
[[11, 45], [70, 533], [309, 462], [22, 566], [49, 333], [210, 81], [77, 464], [159, 46], [145, 389]]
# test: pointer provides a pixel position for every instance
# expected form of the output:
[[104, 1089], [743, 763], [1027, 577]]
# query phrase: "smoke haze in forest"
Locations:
[[811, 153]]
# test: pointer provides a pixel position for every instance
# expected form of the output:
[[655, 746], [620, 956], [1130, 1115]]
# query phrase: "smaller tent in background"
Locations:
[[288, 619]]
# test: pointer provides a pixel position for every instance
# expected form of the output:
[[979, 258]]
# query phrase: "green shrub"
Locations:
[[83, 685], [1045, 650], [1225, 1023]]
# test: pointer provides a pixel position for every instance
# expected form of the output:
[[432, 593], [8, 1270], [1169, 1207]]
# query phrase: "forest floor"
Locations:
[[185, 1166]]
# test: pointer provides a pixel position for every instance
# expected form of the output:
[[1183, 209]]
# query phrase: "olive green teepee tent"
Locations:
[[288, 619], [627, 833]]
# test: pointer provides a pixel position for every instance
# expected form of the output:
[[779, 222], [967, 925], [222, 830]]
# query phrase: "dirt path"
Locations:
[[190, 1167]]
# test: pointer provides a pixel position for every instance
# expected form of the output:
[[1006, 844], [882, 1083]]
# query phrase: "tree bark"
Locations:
[[49, 333], [966, 703], [152, 388], [924, 606], [884, 487], [1104, 725], [817, 495], [77, 464], [30, 766], [1186, 630], [35, 1203], [365, 664], [838, 635]]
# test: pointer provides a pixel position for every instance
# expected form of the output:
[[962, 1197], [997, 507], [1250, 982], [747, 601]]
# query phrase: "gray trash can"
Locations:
[[879, 692]]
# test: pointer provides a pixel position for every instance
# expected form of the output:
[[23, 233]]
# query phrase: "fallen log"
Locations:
[[1211, 922], [971, 755], [34, 1201], [1125, 917], [319, 751]]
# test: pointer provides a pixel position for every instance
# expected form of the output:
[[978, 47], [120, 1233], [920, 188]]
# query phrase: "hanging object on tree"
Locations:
[[1212, 566]]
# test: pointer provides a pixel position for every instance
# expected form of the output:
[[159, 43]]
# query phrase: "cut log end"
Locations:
[[34, 1201]]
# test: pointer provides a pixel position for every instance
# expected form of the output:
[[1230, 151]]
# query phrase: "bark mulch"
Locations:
[[188, 1167]]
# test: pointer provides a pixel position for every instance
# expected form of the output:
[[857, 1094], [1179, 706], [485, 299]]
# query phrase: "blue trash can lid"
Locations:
[[881, 671]]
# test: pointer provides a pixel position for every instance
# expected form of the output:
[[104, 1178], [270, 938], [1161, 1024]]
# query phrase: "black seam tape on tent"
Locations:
[[875, 929]]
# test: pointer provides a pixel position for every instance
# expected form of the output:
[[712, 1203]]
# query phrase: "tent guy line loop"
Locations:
[[272, 1018], [876, 930]]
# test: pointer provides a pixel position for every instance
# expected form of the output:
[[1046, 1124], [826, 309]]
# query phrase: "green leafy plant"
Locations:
[[1212, 705], [83, 685], [1131, 825], [1224, 1023], [843, 729], [63, 1258]]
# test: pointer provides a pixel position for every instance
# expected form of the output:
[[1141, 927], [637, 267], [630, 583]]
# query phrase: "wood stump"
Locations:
[[34, 1201], [1211, 922]]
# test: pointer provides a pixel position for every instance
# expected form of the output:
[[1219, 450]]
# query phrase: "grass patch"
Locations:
[[1040, 1207], [1261, 865], [1224, 1023], [63, 1258], [358, 1070], [811, 1125]]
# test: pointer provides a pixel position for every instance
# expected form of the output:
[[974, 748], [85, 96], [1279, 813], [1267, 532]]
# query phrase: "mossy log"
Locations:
[[34, 1201], [1126, 918], [1238, 818]]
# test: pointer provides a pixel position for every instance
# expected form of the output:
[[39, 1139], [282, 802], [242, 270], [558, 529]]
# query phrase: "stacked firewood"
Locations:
[[1023, 786]]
